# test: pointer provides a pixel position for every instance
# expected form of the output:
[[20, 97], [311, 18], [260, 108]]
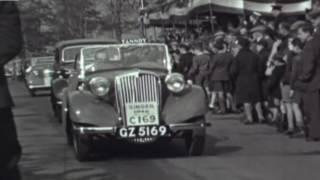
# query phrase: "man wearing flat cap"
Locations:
[[258, 33], [10, 46]]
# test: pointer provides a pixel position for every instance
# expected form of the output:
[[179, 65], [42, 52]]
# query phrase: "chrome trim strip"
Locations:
[[95, 130], [188, 126], [113, 130], [38, 86]]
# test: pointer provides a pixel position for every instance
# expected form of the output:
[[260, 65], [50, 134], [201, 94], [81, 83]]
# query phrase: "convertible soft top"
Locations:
[[72, 42]]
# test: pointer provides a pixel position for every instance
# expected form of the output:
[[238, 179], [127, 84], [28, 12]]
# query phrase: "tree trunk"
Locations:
[[118, 24]]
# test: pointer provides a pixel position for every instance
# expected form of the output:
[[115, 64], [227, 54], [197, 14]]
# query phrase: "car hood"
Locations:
[[42, 67], [111, 74]]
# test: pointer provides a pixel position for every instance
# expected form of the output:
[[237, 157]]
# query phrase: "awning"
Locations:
[[185, 8], [288, 6]]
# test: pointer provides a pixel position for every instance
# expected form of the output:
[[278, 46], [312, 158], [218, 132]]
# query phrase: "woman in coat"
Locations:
[[246, 71]]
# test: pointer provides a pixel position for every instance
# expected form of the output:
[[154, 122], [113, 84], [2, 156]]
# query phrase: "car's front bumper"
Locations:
[[38, 87], [113, 130]]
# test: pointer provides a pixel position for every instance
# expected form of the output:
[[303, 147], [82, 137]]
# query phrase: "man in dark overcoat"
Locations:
[[10, 46], [310, 78], [246, 70]]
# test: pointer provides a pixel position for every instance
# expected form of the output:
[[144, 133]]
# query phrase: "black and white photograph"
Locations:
[[159, 89]]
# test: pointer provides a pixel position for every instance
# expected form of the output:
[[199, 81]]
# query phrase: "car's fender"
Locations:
[[85, 108], [186, 106]]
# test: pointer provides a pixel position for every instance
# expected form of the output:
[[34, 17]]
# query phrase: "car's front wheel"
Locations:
[[81, 145], [195, 141]]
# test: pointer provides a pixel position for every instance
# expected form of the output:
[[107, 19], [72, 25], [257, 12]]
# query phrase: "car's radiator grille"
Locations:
[[137, 87]]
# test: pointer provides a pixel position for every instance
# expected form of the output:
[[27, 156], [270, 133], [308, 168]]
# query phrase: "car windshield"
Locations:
[[69, 53], [42, 62], [125, 56]]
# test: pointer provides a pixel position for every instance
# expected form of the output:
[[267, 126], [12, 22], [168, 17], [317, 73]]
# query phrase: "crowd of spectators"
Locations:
[[255, 68]]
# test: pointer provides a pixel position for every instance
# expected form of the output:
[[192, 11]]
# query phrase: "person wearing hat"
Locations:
[[185, 59], [219, 74], [276, 10], [200, 64], [257, 34], [246, 70], [309, 77], [277, 14]]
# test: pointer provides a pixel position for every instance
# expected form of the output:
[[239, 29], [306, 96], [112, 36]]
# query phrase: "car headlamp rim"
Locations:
[[99, 86], [47, 71], [175, 82]]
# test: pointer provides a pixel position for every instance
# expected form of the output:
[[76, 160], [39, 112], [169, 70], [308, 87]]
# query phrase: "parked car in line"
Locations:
[[65, 52], [38, 74], [127, 93]]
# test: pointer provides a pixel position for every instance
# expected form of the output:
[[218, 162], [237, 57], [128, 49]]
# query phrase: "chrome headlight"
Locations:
[[28, 70], [47, 71], [175, 82], [99, 86]]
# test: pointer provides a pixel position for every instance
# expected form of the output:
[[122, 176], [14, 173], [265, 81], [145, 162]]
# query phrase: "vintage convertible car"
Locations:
[[65, 52], [127, 92], [38, 74]]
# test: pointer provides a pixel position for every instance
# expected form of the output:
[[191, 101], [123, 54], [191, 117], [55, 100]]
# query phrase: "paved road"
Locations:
[[233, 152]]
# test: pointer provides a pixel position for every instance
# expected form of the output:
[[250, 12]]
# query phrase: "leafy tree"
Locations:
[[124, 15], [45, 21], [31, 10], [76, 15]]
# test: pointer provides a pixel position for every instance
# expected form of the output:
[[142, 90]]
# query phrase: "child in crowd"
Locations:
[[294, 113], [200, 64], [275, 72], [219, 74]]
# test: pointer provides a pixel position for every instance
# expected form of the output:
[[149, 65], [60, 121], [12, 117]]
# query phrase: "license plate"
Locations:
[[142, 114], [47, 81], [143, 131]]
